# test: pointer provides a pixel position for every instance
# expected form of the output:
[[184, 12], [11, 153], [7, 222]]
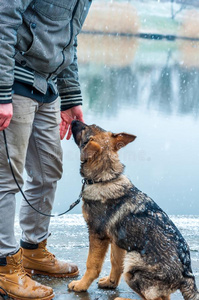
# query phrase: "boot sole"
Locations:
[[28, 298], [61, 275]]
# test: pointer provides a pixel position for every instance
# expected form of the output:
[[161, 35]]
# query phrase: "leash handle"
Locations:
[[15, 179]]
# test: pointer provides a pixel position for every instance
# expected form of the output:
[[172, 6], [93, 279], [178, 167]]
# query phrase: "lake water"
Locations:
[[154, 95]]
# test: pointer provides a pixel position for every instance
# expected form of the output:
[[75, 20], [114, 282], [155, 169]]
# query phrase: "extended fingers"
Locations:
[[69, 133], [67, 117], [63, 128]]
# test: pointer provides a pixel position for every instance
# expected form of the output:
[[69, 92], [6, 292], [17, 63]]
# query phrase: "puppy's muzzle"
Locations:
[[77, 127]]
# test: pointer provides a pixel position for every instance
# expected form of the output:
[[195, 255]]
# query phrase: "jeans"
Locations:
[[34, 145]]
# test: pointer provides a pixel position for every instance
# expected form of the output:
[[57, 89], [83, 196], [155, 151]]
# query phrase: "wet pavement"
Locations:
[[69, 241]]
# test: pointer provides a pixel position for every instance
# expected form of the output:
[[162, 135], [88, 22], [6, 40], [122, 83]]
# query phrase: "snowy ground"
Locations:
[[69, 241]]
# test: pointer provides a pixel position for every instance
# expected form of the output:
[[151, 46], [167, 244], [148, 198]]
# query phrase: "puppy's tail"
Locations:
[[189, 290]]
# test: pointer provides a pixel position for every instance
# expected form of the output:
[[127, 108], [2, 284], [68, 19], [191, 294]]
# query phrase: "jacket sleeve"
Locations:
[[68, 84], [10, 19]]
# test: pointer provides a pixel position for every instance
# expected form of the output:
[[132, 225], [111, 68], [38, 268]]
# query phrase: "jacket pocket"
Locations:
[[55, 10], [24, 38], [29, 46]]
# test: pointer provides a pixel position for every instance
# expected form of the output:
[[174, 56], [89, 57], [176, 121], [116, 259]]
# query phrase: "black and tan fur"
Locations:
[[145, 244]]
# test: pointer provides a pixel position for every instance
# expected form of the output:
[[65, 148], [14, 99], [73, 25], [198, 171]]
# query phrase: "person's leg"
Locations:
[[13, 279], [17, 134], [44, 169]]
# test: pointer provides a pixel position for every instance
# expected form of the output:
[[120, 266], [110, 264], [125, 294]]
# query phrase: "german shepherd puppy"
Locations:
[[145, 244]]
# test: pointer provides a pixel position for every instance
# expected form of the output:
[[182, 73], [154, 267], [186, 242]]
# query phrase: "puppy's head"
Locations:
[[98, 146]]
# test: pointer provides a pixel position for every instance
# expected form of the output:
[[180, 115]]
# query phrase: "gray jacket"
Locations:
[[40, 35]]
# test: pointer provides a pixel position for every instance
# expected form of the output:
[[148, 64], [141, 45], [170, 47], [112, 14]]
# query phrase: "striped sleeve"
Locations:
[[70, 99], [23, 75], [5, 94]]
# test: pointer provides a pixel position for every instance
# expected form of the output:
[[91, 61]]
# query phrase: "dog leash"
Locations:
[[15, 179]]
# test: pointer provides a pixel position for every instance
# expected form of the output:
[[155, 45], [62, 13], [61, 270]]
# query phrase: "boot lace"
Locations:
[[19, 269], [48, 254]]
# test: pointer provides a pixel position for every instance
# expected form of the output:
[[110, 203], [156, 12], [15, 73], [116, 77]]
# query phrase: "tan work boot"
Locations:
[[41, 261], [18, 284]]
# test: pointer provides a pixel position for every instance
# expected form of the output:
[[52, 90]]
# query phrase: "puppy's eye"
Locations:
[[84, 144]]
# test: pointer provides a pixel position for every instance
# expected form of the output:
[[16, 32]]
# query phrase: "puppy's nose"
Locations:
[[77, 125], [74, 123]]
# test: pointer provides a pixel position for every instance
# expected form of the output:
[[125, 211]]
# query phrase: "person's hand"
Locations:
[[67, 117], [6, 112]]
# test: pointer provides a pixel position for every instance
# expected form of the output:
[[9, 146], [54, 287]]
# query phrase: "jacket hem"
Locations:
[[6, 101], [70, 99], [68, 106]]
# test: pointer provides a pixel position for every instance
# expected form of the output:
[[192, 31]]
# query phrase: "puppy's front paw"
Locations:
[[77, 286], [107, 283]]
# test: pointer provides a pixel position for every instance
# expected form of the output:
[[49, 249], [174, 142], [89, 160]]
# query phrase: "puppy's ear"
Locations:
[[122, 139], [91, 149]]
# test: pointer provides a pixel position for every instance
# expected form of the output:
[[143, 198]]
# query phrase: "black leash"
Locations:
[[13, 174]]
